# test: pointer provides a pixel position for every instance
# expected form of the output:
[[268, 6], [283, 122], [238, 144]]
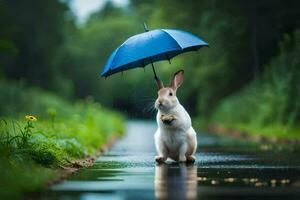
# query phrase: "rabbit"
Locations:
[[175, 137]]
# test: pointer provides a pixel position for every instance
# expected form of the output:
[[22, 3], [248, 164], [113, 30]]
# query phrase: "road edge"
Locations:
[[221, 130], [66, 171]]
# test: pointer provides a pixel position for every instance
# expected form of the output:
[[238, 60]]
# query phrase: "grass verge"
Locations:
[[33, 149]]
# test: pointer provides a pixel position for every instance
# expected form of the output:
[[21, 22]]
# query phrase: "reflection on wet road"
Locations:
[[225, 169]]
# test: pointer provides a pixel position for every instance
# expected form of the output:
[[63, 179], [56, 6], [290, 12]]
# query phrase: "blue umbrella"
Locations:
[[151, 46]]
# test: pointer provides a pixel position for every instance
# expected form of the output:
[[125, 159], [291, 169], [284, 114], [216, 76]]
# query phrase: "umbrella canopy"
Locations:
[[151, 46]]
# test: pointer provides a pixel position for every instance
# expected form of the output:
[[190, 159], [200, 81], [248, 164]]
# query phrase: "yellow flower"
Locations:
[[31, 118]]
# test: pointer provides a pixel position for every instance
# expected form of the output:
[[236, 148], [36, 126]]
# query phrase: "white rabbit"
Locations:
[[175, 137]]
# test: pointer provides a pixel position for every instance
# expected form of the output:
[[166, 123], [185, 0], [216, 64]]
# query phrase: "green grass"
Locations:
[[33, 151], [270, 131], [270, 105]]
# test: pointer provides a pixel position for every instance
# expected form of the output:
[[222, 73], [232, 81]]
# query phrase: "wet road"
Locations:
[[226, 168]]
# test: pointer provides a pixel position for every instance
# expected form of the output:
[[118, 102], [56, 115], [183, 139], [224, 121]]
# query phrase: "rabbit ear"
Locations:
[[159, 83], [177, 80]]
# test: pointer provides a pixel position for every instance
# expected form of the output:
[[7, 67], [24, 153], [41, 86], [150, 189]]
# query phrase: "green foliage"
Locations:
[[68, 59], [32, 34], [59, 133], [271, 104]]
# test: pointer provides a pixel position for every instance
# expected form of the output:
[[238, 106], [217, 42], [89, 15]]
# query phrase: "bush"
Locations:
[[270, 104]]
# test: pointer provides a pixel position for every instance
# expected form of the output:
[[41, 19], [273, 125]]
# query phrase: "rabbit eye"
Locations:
[[171, 94]]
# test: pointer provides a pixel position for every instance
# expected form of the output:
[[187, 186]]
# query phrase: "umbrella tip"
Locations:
[[146, 27]]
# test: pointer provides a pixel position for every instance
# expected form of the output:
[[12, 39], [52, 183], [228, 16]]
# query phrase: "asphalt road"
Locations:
[[226, 168]]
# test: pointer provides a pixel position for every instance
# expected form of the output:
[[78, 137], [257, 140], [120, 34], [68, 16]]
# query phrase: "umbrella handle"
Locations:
[[155, 76]]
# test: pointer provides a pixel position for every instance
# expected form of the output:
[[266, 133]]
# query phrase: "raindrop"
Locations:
[[201, 178], [273, 181], [258, 184], [229, 180], [253, 180], [285, 181]]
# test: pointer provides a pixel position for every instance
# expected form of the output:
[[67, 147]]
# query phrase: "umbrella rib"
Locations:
[[168, 57], [113, 59], [173, 39], [143, 61]]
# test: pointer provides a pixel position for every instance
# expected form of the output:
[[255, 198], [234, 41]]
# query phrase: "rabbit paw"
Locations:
[[190, 159], [167, 119], [160, 159], [182, 159]]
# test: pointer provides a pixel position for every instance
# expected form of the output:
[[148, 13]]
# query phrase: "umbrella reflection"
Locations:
[[175, 181]]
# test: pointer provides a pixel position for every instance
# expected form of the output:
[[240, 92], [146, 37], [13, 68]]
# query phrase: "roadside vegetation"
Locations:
[[41, 133], [270, 105]]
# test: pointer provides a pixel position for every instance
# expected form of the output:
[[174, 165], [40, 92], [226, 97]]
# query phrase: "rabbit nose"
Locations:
[[160, 101]]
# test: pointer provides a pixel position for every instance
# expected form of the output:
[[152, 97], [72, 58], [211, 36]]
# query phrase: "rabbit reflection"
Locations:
[[175, 181]]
